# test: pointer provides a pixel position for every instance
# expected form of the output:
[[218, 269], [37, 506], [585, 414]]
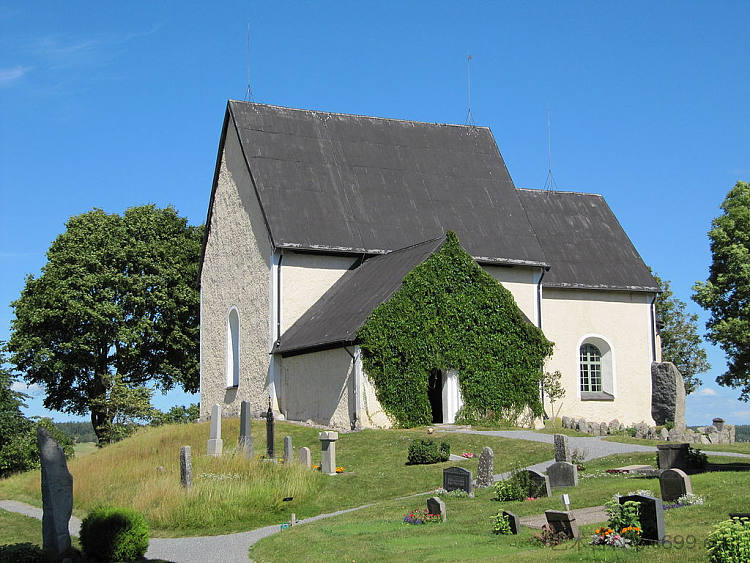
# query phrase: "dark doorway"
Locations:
[[435, 395]]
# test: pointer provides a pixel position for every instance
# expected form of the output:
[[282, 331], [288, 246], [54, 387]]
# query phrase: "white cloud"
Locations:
[[35, 390], [707, 392], [10, 75]]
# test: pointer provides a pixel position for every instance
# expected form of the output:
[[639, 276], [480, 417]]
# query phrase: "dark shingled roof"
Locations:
[[337, 316], [351, 183], [584, 243]]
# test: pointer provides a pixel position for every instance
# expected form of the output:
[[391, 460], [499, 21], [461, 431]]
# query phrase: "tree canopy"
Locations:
[[680, 342], [726, 293], [118, 295]]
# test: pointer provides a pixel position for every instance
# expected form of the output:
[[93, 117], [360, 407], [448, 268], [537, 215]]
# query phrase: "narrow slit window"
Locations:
[[233, 348]]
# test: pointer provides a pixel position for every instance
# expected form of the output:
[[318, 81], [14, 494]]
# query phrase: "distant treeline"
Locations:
[[79, 431], [742, 432]]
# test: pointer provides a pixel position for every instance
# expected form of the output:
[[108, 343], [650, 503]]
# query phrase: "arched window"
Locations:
[[233, 348], [591, 369]]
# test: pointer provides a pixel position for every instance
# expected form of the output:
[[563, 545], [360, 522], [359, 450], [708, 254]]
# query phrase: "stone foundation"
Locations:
[[723, 434]]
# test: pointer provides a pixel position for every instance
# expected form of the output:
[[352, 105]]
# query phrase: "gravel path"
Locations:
[[234, 547]]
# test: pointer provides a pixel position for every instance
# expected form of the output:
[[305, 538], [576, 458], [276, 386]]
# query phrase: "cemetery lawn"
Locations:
[[231, 493], [17, 528], [737, 447], [378, 533]]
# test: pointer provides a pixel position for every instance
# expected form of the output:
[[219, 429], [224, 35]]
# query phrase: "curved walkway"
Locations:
[[234, 547]]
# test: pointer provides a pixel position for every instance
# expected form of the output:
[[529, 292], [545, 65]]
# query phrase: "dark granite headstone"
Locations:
[[514, 521], [269, 432], [539, 483], [674, 483], [673, 456], [435, 505], [651, 515], [561, 521], [562, 474], [57, 494], [458, 478], [245, 442]]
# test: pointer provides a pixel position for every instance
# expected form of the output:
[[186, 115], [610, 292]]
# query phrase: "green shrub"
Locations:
[[626, 515], [423, 452], [19, 450], [518, 486], [114, 534], [501, 524], [696, 459], [22, 553], [729, 542]]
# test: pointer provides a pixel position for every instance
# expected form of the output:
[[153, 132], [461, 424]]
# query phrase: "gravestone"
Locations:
[[486, 469], [270, 453], [215, 444], [667, 395], [562, 474], [245, 443], [57, 493], [674, 483], [435, 505], [304, 456], [186, 467], [563, 522], [514, 521], [288, 450], [539, 483], [651, 516], [673, 456], [562, 448], [328, 447], [458, 478]]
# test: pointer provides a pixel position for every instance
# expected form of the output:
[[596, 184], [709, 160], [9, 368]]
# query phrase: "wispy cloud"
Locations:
[[707, 392], [8, 76], [35, 390]]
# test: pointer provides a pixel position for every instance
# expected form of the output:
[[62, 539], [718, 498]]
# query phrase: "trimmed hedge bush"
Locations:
[[22, 553], [730, 541], [114, 534], [422, 452]]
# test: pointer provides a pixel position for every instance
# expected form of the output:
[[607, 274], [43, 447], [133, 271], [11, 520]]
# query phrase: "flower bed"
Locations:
[[421, 516]]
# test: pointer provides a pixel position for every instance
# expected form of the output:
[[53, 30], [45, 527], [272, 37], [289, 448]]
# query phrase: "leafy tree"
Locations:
[[118, 295], [726, 294], [12, 421], [680, 342], [124, 407], [555, 391], [176, 415]]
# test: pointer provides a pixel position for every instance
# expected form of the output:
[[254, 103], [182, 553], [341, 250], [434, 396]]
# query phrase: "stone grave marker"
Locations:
[[436, 505], [328, 447], [304, 456], [651, 517], [562, 521], [486, 470], [288, 450], [539, 483], [514, 521], [186, 467], [562, 449], [674, 483], [57, 494], [673, 455], [562, 474], [270, 453], [245, 443], [215, 444], [458, 478]]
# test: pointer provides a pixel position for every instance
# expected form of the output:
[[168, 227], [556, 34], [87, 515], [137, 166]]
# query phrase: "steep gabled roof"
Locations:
[[584, 243], [350, 183]]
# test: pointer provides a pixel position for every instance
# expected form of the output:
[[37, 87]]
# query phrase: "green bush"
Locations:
[[729, 542], [501, 524], [114, 534], [423, 452], [516, 487], [696, 459], [19, 450], [22, 553]]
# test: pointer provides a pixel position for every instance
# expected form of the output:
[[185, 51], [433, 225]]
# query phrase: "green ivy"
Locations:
[[451, 314]]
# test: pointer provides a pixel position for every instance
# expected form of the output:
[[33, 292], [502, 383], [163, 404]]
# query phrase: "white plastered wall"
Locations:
[[623, 320], [521, 281], [236, 273]]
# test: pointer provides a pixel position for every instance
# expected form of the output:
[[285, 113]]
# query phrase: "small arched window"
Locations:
[[233, 348], [591, 368]]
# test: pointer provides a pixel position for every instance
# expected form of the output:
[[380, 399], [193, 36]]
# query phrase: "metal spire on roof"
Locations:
[[550, 182], [469, 117], [249, 92]]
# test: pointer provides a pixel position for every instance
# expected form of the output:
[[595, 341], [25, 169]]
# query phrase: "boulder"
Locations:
[[603, 429], [664, 434]]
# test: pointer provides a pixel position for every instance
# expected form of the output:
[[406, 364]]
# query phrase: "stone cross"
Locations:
[[304, 456], [328, 446], [562, 449], [245, 443], [562, 474], [486, 470], [561, 521], [57, 494], [288, 450], [269, 432], [186, 467], [674, 483], [215, 444], [435, 505]]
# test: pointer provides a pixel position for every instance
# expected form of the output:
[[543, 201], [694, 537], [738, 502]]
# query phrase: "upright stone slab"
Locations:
[[328, 447], [57, 494], [245, 443], [435, 505], [562, 449], [667, 395], [540, 486], [486, 470], [514, 521], [564, 522], [651, 517], [304, 456], [288, 450], [215, 444], [458, 478], [186, 467], [673, 456], [562, 474], [270, 452], [674, 483]]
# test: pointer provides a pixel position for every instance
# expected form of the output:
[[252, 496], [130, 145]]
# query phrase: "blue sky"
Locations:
[[114, 105]]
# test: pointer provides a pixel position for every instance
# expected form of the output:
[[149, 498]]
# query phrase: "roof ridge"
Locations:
[[558, 191]]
